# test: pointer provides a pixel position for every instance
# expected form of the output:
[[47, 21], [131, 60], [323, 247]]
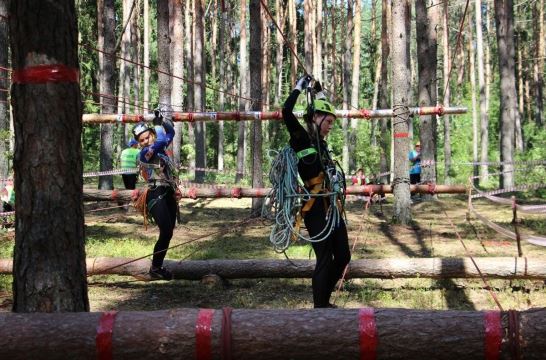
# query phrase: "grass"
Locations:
[[210, 231]]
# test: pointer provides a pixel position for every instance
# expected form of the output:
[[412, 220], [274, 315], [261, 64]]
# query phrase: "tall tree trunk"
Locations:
[[163, 56], [178, 72], [401, 93], [484, 117], [385, 139], [146, 54], [106, 41], [4, 84], [49, 254], [377, 72], [427, 21], [292, 26], [504, 21], [308, 38], [317, 50], [475, 122], [518, 132], [266, 66], [189, 50], [347, 83], [199, 88], [447, 94], [135, 43], [333, 49], [355, 83], [538, 63], [487, 52], [256, 91], [222, 51], [243, 91]]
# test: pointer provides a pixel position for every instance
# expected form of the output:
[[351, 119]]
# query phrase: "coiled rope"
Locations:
[[287, 195]]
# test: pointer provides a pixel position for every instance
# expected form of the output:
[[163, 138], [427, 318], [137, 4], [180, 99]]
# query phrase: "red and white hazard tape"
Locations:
[[111, 172]]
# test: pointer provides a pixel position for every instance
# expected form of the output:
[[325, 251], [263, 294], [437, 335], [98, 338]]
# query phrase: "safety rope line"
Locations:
[[459, 37], [222, 230], [482, 276], [174, 76], [286, 42]]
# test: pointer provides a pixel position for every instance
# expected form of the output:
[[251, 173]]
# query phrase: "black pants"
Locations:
[[129, 180], [332, 254], [415, 178], [162, 206]]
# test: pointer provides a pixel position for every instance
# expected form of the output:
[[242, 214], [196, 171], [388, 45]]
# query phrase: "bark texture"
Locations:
[[273, 334], [437, 268], [401, 97], [504, 20], [49, 251]]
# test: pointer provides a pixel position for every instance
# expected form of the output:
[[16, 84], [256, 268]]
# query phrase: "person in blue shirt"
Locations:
[[159, 172], [415, 160]]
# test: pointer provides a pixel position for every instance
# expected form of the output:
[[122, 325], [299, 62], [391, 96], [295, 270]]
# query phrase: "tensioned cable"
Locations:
[[484, 279], [174, 76], [459, 36], [286, 42], [221, 230]]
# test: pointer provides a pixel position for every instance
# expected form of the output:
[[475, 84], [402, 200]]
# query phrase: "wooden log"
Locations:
[[275, 334], [238, 192], [508, 268], [264, 115]]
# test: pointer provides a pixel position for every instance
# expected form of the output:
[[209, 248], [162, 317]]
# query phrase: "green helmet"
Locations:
[[324, 107]]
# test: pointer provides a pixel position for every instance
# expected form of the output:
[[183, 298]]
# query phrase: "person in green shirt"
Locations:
[[129, 160]]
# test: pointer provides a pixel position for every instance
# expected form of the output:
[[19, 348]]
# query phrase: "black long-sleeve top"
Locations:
[[309, 166]]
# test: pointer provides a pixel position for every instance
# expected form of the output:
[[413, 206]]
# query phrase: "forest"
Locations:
[[339, 43], [81, 81]]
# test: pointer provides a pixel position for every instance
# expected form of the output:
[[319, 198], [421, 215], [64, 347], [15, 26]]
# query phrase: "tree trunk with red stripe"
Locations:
[[276, 334]]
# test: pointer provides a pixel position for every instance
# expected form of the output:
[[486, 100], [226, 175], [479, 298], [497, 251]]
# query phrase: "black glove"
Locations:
[[158, 119], [317, 87], [303, 82]]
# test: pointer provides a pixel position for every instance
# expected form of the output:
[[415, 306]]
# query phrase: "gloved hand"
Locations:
[[158, 119], [317, 86], [303, 82]]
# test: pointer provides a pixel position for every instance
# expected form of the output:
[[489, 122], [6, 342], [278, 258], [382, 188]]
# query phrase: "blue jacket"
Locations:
[[415, 162]]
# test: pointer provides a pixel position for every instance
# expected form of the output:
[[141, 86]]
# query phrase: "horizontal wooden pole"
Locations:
[[264, 115], [275, 334], [436, 268], [241, 192]]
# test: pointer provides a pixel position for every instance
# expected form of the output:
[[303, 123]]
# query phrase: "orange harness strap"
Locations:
[[315, 184]]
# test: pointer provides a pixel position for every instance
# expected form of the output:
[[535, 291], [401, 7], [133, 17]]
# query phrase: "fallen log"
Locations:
[[239, 192], [275, 334], [508, 268]]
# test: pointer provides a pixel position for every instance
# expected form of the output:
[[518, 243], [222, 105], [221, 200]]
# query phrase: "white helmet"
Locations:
[[141, 128]]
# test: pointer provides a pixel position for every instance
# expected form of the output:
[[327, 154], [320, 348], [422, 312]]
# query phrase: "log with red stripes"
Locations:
[[275, 334], [237, 192], [437, 268]]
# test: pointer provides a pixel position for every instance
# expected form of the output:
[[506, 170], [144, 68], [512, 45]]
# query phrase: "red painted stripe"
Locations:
[[401, 135], [203, 336], [41, 74], [368, 334], [103, 340], [493, 334]]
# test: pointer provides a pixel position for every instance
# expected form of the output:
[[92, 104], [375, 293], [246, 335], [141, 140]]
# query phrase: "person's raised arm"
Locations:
[[289, 119]]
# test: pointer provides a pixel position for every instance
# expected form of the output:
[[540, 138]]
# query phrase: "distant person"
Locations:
[[7, 195], [359, 179], [129, 160], [415, 160]]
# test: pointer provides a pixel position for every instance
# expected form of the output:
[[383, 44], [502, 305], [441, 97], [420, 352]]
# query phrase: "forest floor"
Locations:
[[118, 233]]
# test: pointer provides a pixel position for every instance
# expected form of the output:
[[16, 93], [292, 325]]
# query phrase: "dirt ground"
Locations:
[[118, 233]]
